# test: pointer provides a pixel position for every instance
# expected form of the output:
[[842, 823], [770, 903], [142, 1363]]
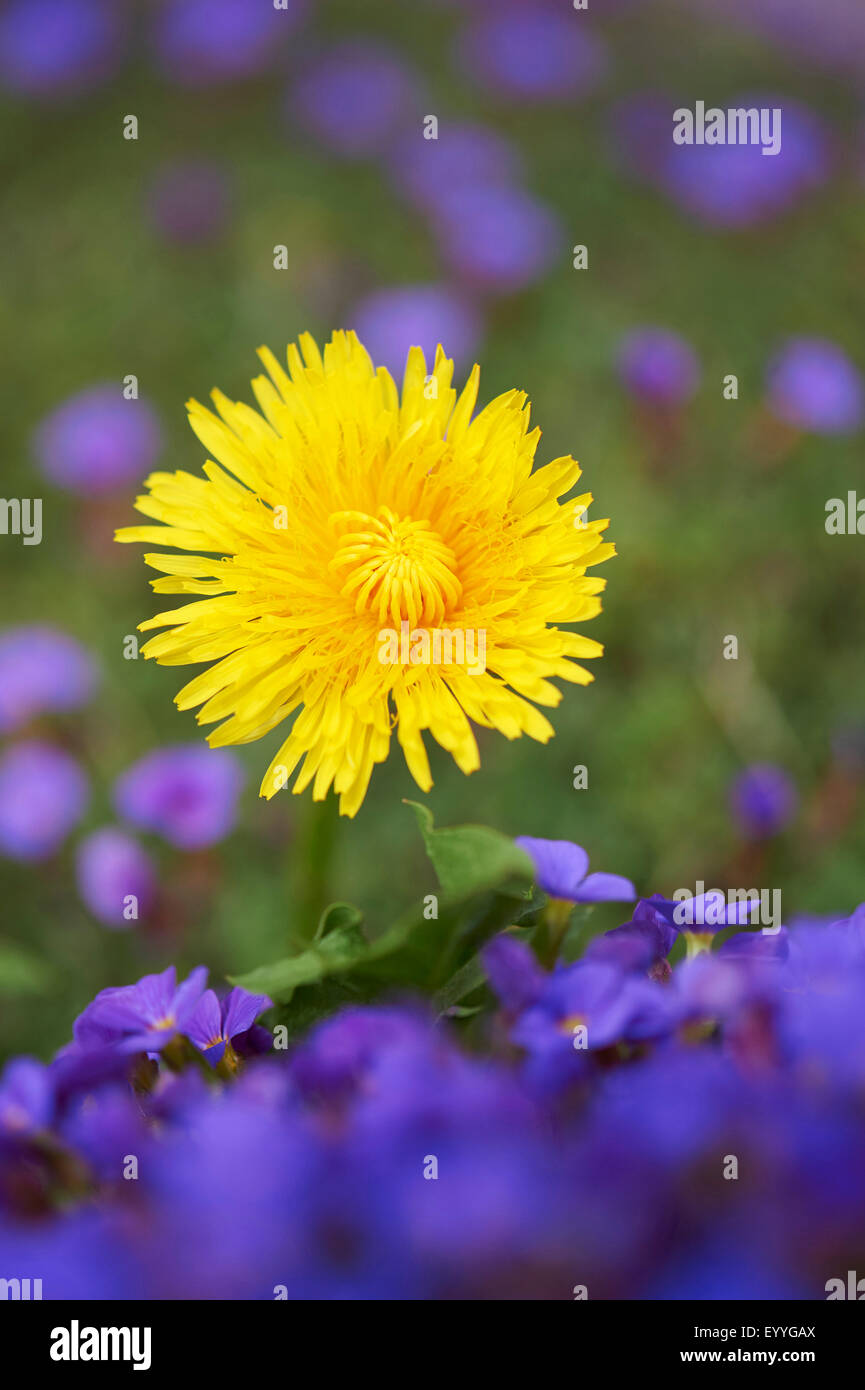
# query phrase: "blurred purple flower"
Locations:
[[813, 385], [26, 1098], [111, 868], [737, 185], [214, 1025], [142, 1017], [59, 48], [42, 670], [498, 239], [562, 871], [43, 794], [390, 321], [641, 944], [189, 201], [355, 98], [514, 974], [338, 1054], [187, 793], [464, 156], [534, 54], [658, 366], [201, 42], [97, 441], [763, 799]]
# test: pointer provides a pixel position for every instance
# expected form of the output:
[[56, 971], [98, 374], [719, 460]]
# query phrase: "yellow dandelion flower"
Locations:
[[372, 563]]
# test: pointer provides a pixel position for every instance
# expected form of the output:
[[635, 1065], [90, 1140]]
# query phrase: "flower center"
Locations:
[[395, 567]]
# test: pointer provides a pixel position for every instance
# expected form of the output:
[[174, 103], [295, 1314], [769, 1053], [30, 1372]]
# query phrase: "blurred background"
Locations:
[[186, 180]]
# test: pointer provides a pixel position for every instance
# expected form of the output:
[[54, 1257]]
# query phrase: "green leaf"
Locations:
[[333, 954], [463, 982], [338, 915], [471, 858]]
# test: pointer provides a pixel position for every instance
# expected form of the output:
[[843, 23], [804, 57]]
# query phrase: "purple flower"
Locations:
[[533, 54], [707, 912], [813, 385], [763, 800], [200, 42], [41, 670], [26, 1098], [116, 878], [187, 793], [97, 441], [464, 156], [355, 97], [43, 794], [389, 322], [641, 944], [189, 201], [658, 366], [513, 971], [498, 239], [562, 871], [141, 1017], [737, 185], [214, 1026], [59, 48], [340, 1053]]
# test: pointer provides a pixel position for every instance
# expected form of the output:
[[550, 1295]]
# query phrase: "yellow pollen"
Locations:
[[572, 1023], [395, 568], [163, 1024]]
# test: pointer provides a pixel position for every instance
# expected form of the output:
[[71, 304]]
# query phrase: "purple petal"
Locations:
[[560, 866], [606, 888]]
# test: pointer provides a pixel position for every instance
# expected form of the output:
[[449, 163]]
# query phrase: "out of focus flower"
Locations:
[[355, 98], [43, 794], [189, 201], [312, 611], [214, 1026], [735, 185], [203, 42], [185, 793], [497, 239], [391, 321], [763, 800], [116, 878], [641, 944], [58, 48], [339, 1054], [658, 366], [534, 54], [97, 441], [464, 156], [42, 670], [26, 1098], [562, 870], [813, 385], [143, 1017], [513, 971]]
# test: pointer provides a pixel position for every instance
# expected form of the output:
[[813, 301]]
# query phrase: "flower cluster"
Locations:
[[622, 1127]]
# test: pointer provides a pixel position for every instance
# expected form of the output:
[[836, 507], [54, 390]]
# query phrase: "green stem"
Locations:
[[310, 871]]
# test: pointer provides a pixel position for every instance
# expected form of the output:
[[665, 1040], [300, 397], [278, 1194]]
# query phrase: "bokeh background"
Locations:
[[304, 128]]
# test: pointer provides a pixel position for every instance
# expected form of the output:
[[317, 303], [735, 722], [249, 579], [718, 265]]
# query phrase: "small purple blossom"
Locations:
[[464, 156], [43, 795], [116, 878], [390, 321], [763, 800], [813, 385], [189, 201], [42, 670], [26, 1098], [187, 793], [355, 97], [497, 239], [59, 48], [562, 870], [204, 42], [658, 366], [642, 944], [533, 54], [142, 1017], [98, 441], [215, 1025]]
